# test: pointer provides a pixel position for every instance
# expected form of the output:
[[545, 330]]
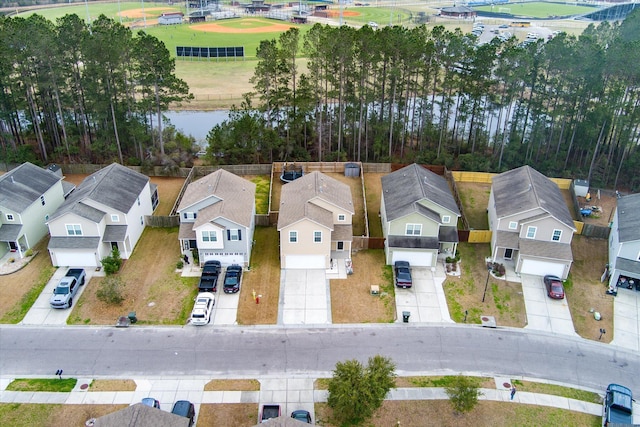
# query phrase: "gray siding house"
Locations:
[[530, 223], [217, 218], [624, 242], [28, 196], [419, 216]]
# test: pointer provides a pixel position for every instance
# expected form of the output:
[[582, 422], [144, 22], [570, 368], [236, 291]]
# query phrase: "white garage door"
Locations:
[[225, 260], [75, 259], [305, 261], [541, 268], [418, 259]]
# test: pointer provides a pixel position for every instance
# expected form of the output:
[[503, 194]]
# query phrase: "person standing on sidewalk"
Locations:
[[513, 391]]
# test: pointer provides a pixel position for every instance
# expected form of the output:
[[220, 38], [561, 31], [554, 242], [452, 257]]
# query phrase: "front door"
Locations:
[[508, 253], [340, 246]]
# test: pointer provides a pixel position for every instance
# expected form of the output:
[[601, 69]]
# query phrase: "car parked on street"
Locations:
[[186, 409], [301, 415], [403, 274], [232, 279], [554, 287], [617, 408], [201, 314]]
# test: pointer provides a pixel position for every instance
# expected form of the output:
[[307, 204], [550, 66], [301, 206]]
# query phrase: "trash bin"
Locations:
[[405, 316], [132, 317]]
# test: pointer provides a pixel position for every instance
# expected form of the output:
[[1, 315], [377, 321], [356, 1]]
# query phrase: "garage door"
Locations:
[[75, 259], [305, 261], [225, 260], [419, 259], [541, 268]]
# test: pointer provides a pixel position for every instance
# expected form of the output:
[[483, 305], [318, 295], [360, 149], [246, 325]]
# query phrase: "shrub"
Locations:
[[111, 291], [112, 263], [463, 394], [179, 264], [28, 252]]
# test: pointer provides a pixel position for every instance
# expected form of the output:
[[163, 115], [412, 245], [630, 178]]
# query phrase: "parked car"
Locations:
[[184, 408], [209, 278], [67, 288], [150, 401], [232, 279], [301, 415], [201, 314], [403, 274], [618, 406], [269, 412], [211, 267], [554, 286]]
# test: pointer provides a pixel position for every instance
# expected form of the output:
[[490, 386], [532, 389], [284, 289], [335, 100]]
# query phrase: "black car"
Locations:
[[211, 267], [232, 279], [184, 408], [301, 415], [209, 279], [403, 274]]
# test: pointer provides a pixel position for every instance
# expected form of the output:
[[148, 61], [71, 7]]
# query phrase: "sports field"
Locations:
[[537, 9]]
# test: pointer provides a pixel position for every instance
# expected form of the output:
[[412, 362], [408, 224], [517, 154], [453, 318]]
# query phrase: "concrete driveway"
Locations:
[[304, 298], [41, 312], [544, 313], [225, 310], [425, 300], [626, 319]]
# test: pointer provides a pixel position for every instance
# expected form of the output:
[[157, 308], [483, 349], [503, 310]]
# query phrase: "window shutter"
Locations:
[[228, 234], [239, 234]]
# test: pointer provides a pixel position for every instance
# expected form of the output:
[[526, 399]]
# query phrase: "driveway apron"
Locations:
[[626, 319], [544, 313], [425, 300], [304, 298]]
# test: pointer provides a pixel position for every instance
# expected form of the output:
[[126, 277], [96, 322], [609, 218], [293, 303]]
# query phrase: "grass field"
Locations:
[[537, 9], [110, 10]]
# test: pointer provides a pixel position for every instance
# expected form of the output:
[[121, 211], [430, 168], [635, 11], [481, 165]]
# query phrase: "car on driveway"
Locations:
[[554, 287], [301, 415], [150, 401], [232, 279], [403, 274], [186, 409], [201, 314]]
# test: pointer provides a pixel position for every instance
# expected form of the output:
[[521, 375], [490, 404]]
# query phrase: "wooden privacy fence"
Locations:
[[479, 236], [168, 221]]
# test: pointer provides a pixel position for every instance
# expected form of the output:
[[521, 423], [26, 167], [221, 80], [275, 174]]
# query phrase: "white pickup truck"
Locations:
[[67, 288]]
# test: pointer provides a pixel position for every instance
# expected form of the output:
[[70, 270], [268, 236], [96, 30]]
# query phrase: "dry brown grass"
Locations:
[[475, 199], [232, 385], [168, 190], [263, 278], [112, 385], [351, 300], [373, 188], [47, 415], [236, 414], [586, 291]]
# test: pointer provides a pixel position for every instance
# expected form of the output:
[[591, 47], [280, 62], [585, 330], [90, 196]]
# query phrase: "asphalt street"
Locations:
[[301, 351]]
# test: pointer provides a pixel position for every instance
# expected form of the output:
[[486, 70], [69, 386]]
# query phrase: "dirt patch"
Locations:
[[232, 385], [112, 385], [602, 208], [373, 189], [351, 299], [168, 190], [345, 13], [47, 415], [141, 13], [237, 414], [218, 28], [474, 197]]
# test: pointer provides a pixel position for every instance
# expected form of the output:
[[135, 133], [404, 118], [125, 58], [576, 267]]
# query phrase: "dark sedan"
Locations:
[[403, 274], [232, 279], [554, 286]]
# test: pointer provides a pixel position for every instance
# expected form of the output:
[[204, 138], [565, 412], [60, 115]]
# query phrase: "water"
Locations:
[[196, 123]]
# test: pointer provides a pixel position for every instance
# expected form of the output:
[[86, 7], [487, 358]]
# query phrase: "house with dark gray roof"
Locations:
[[315, 222], [217, 218], [29, 195], [419, 216], [530, 223], [624, 243], [106, 211], [140, 415]]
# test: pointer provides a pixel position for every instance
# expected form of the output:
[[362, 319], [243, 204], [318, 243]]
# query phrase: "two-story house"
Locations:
[[624, 242], [315, 222], [217, 218], [28, 196], [105, 211], [419, 216], [530, 223]]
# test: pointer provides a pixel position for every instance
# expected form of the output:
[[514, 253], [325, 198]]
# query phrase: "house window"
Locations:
[[317, 236], [9, 217], [531, 232], [74, 230], [209, 236], [115, 218], [141, 220], [446, 219], [293, 237], [42, 200], [341, 217], [513, 225], [189, 215], [233, 235], [413, 229], [46, 218], [556, 235]]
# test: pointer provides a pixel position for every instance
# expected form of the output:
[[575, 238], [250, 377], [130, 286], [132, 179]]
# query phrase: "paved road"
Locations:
[[264, 351]]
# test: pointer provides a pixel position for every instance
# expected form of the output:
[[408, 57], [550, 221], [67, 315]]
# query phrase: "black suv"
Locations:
[[184, 408], [232, 279]]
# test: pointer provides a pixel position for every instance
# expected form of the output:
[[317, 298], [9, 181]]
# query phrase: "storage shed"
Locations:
[[581, 187]]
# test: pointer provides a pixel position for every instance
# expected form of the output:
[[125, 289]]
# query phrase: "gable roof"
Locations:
[[140, 415], [629, 218], [22, 186], [296, 199], [404, 188], [114, 186], [236, 197], [524, 189]]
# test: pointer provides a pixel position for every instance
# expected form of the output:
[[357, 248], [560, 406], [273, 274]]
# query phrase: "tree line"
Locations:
[[71, 91], [567, 106]]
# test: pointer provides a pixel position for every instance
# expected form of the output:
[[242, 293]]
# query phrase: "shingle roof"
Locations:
[[140, 415], [525, 189], [73, 242], [296, 199], [629, 218], [403, 188], [114, 233], [627, 265], [237, 197], [22, 186], [10, 232], [414, 242], [115, 186], [551, 250]]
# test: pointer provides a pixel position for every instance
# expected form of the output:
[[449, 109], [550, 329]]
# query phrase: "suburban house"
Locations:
[[217, 218], [530, 223], [624, 242], [315, 222], [28, 196], [140, 415], [419, 216], [105, 211]]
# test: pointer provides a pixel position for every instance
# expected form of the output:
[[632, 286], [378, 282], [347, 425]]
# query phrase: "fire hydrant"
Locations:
[[258, 299]]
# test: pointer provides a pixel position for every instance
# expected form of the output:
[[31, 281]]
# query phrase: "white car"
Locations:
[[201, 313]]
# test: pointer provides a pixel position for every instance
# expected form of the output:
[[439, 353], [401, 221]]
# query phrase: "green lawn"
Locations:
[[42, 384], [110, 10], [537, 9]]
